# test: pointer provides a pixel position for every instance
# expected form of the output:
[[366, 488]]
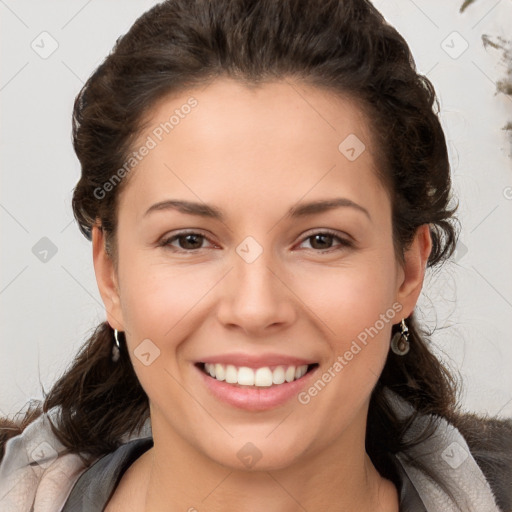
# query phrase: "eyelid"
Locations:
[[328, 231]]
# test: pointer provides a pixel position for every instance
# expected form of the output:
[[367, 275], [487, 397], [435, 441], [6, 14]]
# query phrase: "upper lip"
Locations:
[[257, 361]]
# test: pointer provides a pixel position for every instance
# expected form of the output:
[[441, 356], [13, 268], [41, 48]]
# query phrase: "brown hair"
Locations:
[[345, 46]]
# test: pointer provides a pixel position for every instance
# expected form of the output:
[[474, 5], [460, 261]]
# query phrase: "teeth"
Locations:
[[231, 374], [261, 377], [220, 372], [245, 376], [290, 374]]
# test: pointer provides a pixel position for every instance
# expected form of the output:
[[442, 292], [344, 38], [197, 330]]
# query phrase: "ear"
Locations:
[[106, 279], [413, 269]]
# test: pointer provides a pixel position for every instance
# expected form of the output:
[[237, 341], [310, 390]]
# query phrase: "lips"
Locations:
[[255, 382], [255, 397]]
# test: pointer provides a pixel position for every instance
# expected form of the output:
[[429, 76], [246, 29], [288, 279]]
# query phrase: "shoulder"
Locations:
[[36, 470], [463, 462], [490, 443]]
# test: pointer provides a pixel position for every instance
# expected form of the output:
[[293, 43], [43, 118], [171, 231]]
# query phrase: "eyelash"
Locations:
[[344, 243]]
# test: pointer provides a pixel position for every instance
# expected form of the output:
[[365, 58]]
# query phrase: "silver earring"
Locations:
[[115, 348], [400, 341]]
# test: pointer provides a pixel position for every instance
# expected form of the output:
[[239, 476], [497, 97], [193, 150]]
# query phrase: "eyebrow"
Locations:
[[301, 210]]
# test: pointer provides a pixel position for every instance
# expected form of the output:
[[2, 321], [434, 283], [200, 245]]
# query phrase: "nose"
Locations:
[[255, 297]]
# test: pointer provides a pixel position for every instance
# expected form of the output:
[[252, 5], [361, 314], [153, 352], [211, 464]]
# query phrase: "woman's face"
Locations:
[[267, 280]]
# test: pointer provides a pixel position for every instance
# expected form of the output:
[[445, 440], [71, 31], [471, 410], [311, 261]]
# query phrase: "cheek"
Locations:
[[161, 304], [158, 298], [356, 313], [355, 306], [351, 298]]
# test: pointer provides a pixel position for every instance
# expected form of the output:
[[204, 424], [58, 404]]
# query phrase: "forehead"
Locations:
[[275, 140], [228, 107]]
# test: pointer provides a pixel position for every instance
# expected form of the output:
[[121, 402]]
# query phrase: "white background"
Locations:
[[47, 309]]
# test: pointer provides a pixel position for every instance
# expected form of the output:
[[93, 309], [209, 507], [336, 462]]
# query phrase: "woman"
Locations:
[[264, 184]]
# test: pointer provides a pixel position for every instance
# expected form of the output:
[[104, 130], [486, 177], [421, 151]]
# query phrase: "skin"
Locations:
[[271, 148]]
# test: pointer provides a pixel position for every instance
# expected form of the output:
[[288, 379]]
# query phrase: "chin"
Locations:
[[254, 456]]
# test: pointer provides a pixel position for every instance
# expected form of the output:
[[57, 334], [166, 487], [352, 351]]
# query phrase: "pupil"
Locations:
[[321, 237], [189, 240]]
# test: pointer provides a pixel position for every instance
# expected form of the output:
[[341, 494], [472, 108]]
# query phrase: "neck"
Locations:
[[339, 478]]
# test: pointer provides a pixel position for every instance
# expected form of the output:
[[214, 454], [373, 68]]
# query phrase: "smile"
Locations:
[[263, 377], [255, 389]]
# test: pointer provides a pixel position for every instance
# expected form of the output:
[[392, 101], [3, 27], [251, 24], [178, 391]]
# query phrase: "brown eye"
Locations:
[[190, 241], [323, 241], [186, 242]]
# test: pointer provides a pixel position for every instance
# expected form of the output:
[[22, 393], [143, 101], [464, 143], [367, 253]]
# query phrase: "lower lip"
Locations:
[[255, 398]]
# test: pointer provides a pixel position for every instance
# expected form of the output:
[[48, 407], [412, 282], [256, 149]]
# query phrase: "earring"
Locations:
[[115, 348], [400, 341]]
